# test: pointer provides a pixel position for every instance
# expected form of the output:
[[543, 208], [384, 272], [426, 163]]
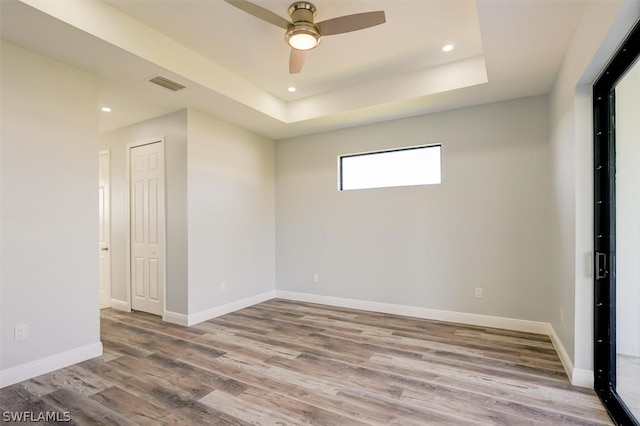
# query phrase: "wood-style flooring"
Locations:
[[290, 363]]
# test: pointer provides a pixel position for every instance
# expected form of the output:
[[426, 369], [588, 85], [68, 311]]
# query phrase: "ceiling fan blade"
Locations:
[[260, 12], [348, 23], [296, 60]]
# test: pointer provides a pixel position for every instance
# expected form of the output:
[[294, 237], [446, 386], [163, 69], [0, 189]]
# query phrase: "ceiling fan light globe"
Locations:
[[303, 41], [302, 37]]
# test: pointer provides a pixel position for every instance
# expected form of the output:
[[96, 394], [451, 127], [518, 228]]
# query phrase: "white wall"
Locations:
[[628, 214], [602, 27], [426, 246], [485, 226], [173, 127], [231, 215], [220, 212], [49, 214]]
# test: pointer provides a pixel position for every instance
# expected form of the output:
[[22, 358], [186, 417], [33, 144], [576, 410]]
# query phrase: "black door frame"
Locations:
[[605, 229]]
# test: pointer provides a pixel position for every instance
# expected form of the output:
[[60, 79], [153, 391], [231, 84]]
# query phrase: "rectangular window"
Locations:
[[418, 165]]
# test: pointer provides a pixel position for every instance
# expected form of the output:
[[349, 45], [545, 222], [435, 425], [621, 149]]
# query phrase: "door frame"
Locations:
[[130, 146], [605, 228], [107, 153]]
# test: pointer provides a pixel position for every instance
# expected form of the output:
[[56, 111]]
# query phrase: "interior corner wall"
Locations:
[[562, 225], [602, 28], [49, 222], [429, 246], [231, 215], [173, 128]]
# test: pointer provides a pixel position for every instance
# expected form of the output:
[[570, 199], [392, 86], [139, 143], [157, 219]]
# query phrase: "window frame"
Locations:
[[383, 151]]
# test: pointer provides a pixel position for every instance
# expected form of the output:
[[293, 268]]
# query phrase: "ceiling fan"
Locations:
[[302, 33]]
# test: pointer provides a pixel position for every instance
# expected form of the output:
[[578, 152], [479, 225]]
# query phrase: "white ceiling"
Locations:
[[235, 66]]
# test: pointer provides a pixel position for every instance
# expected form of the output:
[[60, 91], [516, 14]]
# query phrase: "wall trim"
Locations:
[[121, 305], [583, 378], [426, 313], [45, 365], [176, 318], [562, 352], [217, 311], [577, 376]]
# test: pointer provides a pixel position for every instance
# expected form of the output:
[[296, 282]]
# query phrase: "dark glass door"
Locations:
[[617, 233]]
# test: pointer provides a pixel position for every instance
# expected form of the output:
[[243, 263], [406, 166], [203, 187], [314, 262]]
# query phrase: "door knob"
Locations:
[[104, 248]]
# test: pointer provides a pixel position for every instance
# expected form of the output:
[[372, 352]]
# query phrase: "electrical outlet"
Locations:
[[478, 292], [223, 286], [316, 278], [21, 332]]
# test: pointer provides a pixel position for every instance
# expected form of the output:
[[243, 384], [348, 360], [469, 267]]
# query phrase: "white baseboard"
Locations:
[[562, 352], [582, 378], [121, 305], [208, 314], [417, 312], [176, 318], [577, 376], [35, 368]]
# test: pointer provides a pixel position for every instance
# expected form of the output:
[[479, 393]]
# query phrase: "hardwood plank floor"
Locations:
[[292, 363]]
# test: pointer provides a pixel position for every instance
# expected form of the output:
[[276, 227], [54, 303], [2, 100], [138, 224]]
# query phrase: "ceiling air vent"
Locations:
[[166, 83]]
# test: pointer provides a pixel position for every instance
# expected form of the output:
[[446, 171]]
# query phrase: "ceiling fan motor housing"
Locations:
[[302, 11], [302, 16]]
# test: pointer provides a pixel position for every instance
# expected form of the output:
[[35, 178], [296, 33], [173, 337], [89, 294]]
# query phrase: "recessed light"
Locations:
[[291, 89], [106, 109], [447, 48]]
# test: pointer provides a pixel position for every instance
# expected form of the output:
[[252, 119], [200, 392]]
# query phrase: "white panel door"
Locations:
[[147, 233], [104, 231]]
